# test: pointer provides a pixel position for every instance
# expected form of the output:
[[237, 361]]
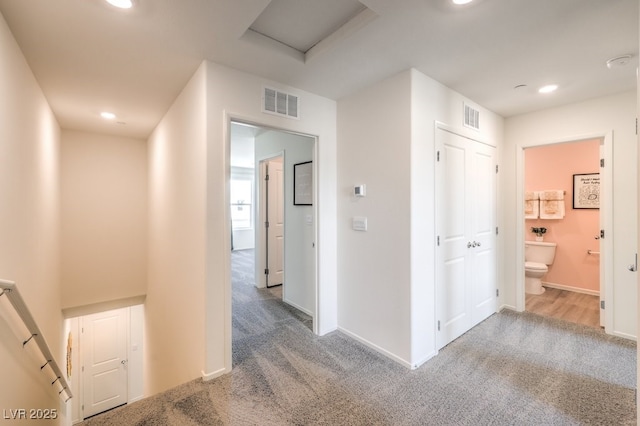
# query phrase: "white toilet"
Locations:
[[537, 255]]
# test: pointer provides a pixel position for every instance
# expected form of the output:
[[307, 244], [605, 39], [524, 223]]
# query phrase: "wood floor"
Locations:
[[566, 305]]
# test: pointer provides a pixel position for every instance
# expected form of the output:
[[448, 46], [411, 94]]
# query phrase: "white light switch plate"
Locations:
[[359, 223]]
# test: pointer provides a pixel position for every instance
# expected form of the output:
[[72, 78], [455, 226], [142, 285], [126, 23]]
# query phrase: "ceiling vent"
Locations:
[[471, 117], [280, 103]]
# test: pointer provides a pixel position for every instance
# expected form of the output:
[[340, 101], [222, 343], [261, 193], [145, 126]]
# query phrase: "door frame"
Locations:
[[606, 218], [237, 118], [82, 349], [260, 236]]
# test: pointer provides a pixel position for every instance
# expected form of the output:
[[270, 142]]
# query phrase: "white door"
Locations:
[[104, 354], [465, 225], [275, 221]]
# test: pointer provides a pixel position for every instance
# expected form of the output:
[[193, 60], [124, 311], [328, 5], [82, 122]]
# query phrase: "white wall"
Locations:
[[573, 122], [29, 225], [386, 275], [300, 268], [104, 218], [174, 308], [374, 276], [234, 94]]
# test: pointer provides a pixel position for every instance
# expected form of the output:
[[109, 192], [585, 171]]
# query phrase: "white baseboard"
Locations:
[[300, 308], [377, 349], [213, 375], [425, 359], [569, 288], [509, 307]]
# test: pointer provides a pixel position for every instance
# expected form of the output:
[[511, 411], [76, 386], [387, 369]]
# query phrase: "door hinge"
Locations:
[[602, 304], [438, 325], [83, 368], [438, 156], [266, 177], [497, 292], [266, 271], [602, 162], [602, 233], [636, 126], [496, 230], [496, 168], [266, 224], [438, 240], [82, 407]]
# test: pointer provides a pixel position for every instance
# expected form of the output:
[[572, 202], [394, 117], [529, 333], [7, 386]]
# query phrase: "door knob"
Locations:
[[123, 362], [478, 243], [469, 245]]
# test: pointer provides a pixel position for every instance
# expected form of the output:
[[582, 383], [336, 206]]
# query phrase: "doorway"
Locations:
[[574, 286], [272, 224], [116, 337], [292, 229]]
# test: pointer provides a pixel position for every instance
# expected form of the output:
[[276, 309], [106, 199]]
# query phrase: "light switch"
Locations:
[[309, 219], [359, 223]]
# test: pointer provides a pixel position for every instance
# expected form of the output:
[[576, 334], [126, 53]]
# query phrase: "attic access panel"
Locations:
[[301, 24]]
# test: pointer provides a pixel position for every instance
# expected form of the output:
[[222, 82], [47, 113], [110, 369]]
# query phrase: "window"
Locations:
[[241, 208]]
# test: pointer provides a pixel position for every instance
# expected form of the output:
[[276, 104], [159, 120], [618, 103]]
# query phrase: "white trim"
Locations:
[[213, 375], [300, 308], [377, 348], [570, 288]]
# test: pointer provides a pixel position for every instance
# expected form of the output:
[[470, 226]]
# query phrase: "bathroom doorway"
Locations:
[[572, 286]]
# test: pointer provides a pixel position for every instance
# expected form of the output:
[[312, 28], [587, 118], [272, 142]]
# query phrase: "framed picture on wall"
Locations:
[[303, 184], [586, 191]]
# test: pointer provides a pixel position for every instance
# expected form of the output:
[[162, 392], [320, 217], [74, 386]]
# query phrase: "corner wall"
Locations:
[[374, 277], [29, 225], [174, 308]]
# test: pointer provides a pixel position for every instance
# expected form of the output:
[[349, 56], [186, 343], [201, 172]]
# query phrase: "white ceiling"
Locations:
[[89, 57]]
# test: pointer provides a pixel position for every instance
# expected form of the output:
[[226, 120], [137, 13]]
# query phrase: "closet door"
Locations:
[[465, 229]]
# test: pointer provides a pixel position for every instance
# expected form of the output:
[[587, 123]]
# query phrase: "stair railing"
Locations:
[[9, 289]]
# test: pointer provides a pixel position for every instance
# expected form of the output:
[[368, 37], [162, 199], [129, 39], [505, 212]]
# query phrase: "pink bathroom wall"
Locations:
[[553, 167]]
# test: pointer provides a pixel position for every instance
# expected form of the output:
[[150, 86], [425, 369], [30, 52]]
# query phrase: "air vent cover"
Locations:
[[280, 103], [471, 117]]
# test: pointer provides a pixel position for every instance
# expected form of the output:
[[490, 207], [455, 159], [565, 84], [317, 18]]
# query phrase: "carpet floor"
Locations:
[[512, 369]]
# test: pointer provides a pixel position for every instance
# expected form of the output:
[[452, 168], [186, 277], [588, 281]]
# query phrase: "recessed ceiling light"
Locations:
[[461, 1], [107, 115], [548, 89], [122, 4]]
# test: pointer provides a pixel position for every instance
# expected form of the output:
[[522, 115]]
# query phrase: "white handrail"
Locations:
[[10, 290]]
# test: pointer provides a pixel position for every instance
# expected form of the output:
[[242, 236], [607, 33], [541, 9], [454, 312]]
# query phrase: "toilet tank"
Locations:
[[539, 251]]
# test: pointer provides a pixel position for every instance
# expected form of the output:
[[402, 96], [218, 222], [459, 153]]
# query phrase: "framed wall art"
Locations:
[[303, 184], [586, 191]]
